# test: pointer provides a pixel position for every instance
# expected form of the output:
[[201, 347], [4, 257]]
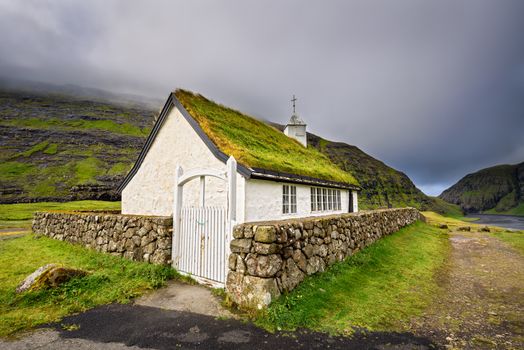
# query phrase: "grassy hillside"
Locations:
[[495, 190], [55, 147]]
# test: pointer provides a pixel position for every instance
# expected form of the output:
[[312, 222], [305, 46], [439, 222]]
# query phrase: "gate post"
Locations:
[[177, 206], [232, 188]]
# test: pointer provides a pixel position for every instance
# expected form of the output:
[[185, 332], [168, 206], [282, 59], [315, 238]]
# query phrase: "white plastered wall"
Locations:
[[263, 201], [150, 191]]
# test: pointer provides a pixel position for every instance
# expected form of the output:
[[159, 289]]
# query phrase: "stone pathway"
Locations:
[[482, 306], [185, 297]]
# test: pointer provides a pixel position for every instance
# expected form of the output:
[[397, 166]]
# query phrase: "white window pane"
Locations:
[[313, 199], [324, 199]]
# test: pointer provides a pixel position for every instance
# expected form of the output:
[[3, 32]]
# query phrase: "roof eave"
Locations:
[[265, 174]]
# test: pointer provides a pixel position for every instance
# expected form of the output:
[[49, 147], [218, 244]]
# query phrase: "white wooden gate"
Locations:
[[203, 240], [201, 235]]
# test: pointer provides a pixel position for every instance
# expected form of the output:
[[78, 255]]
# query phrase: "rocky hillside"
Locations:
[[496, 190], [54, 147]]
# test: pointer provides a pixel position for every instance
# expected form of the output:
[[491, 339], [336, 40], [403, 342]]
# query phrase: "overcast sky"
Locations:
[[433, 88]]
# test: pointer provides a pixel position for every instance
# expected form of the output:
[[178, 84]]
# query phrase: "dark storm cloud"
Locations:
[[435, 89]]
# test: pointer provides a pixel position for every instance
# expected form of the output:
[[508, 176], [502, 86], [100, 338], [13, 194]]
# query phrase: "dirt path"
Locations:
[[482, 305]]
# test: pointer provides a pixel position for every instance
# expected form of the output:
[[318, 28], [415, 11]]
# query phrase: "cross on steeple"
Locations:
[[293, 100]]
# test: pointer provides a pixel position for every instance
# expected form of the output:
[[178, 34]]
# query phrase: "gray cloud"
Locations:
[[435, 89]]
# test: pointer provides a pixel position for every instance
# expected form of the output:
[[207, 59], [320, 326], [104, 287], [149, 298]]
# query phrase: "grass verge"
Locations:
[[379, 288], [514, 238], [111, 279], [21, 214]]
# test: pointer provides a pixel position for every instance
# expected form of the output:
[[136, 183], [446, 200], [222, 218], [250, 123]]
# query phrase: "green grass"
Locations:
[[514, 239], [21, 214], [51, 149], [379, 288], [36, 148], [87, 169], [450, 220], [12, 170], [119, 168], [111, 279], [518, 210], [257, 144], [75, 124], [445, 208]]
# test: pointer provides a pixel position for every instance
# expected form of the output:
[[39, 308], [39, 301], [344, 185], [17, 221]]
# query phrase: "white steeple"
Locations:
[[296, 128]]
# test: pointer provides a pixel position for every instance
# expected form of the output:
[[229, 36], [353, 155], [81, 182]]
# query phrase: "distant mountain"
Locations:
[[65, 146], [57, 147], [495, 190], [79, 92]]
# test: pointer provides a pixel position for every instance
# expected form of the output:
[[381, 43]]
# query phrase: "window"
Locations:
[[325, 199], [289, 199]]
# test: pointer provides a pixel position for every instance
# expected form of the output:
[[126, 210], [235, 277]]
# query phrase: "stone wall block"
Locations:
[[266, 248], [232, 262], [265, 234], [238, 231], [242, 245]]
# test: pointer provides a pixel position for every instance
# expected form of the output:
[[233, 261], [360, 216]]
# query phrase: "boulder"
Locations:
[[49, 276]]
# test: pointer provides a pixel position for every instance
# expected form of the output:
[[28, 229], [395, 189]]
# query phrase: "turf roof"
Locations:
[[256, 144]]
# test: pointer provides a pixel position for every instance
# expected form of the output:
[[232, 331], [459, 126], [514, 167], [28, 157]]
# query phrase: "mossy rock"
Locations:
[[49, 276]]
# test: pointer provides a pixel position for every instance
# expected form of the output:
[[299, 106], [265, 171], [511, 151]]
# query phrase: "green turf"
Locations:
[[518, 210], [257, 144], [513, 238], [111, 279], [20, 215], [379, 288], [60, 124]]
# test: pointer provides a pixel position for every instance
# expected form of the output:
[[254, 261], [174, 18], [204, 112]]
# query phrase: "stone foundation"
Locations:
[[139, 238], [271, 258]]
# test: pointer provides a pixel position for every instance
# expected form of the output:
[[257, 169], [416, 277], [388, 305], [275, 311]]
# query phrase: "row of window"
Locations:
[[322, 199]]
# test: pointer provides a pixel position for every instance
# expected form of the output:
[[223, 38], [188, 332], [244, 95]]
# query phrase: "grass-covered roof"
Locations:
[[256, 144]]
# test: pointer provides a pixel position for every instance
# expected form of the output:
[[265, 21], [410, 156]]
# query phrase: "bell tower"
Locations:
[[296, 128]]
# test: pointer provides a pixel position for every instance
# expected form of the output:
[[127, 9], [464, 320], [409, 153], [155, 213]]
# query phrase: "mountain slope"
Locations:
[[498, 190], [55, 147]]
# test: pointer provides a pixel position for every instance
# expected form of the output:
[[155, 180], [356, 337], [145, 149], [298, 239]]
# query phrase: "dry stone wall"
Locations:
[[268, 259], [139, 238]]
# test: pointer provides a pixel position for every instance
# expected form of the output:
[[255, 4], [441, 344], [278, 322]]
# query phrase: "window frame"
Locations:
[[325, 199], [289, 199]]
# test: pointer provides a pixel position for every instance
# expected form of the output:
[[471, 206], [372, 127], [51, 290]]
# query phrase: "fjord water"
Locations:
[[505, 221]]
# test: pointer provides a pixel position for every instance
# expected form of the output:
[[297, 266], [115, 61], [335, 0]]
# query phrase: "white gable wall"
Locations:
[[150, 191], [263, 201]]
